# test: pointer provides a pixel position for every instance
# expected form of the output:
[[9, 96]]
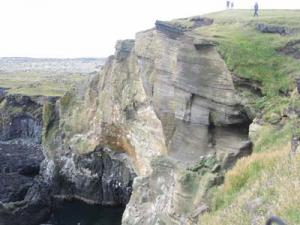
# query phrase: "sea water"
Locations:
[[79, 213]]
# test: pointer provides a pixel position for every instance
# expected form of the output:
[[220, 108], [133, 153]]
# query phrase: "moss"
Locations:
[[48, 113], [11, 110], [205, 165], [65, 101], [3, 104], [189, 182], [272, 118], [50, 126]]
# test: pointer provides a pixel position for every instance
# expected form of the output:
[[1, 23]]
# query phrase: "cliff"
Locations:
[[161, 126], [178, 101], [166, 100]]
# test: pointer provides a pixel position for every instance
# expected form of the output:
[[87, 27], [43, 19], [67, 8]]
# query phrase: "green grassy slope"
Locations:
[[267, 182]]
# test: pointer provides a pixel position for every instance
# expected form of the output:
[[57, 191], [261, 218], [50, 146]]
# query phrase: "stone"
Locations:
[[123, 49], [105, 176], [35, 208], [254, 129], [298, 85], [265, 28], [20, 157], [168, 28], [253, 206], [295, 145], [274, 118], [200, 210], [21, 117]]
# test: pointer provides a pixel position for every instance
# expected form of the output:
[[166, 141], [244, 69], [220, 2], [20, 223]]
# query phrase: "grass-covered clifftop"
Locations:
[[265, 59]]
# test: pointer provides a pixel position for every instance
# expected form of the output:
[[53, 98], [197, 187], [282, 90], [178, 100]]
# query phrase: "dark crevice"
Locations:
[[211, 132], [291, 48]]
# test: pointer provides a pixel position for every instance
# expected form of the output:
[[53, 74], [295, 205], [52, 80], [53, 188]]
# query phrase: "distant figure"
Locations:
[[227, 4], [232, 5], [256, 9]]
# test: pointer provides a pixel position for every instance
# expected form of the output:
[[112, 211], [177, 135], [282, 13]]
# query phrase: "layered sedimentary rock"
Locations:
[[194, 97], [164, 100], [191, 90]]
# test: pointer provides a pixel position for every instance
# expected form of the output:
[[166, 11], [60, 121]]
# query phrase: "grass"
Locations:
[[270, 137], [245, 171], [269, 174], [271, 177], [253, 55], [33, 83]]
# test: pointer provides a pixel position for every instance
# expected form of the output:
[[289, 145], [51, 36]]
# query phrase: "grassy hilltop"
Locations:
[[267, 182]]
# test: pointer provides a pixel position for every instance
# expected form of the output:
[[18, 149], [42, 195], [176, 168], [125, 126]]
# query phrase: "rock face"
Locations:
[[21, 117], [165, 100], [22, 197], [103, 175], [33, 209], [20, 144], [192, 93], [266, 28], [20, 163]]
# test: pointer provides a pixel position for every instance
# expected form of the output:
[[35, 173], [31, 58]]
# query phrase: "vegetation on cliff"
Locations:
[[266, 182]]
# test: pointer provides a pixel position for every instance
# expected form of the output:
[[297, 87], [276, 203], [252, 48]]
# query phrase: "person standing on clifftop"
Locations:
[[227, 4], [256, 9], [232, 5]]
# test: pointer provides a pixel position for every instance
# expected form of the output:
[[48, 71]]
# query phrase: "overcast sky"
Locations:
[[90, 28]]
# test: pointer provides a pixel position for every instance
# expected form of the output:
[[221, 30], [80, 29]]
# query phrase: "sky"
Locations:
[[90, 28]]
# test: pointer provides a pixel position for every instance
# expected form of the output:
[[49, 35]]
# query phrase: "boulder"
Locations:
[[275, 29]]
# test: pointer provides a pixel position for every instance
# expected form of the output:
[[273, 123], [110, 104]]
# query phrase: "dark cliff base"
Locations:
[[22, 196], [27, 193], [20, 163], [75, 212]]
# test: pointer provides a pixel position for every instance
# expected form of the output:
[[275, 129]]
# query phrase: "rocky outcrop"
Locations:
[[192, 93], [266, 28], [21, 117], [20, 163], [33, 209], [165, 100], [22, 197], [105, 177]]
